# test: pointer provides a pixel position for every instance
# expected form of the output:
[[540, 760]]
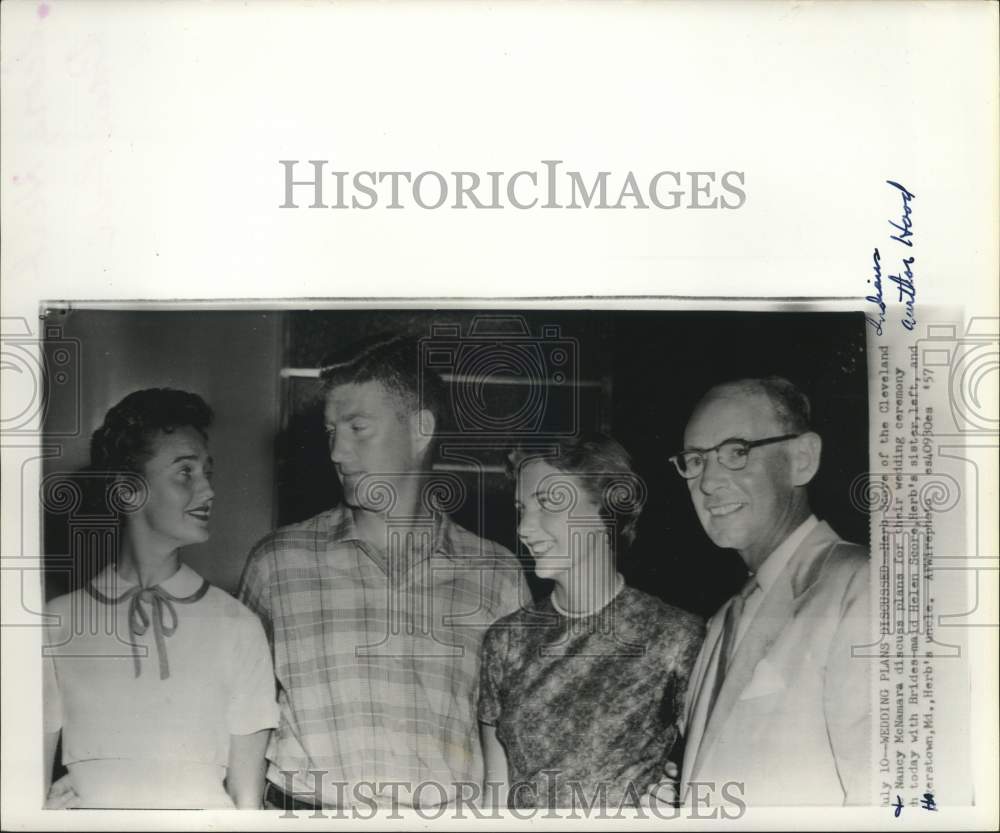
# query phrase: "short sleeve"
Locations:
[[252, 703], [52, 708], [491, 675], [54, 634], [255, 585]]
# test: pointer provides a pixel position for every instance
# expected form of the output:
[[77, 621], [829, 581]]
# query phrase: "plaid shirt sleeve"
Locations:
[[255, 585]]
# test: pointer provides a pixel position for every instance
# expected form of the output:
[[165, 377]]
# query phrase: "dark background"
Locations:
[[644, 371], [641, 373]]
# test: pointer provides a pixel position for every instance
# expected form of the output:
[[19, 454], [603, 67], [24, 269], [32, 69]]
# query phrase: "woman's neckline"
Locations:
[[619, 586]]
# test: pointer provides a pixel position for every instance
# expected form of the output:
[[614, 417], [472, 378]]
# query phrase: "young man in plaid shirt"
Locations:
[[376, 609]]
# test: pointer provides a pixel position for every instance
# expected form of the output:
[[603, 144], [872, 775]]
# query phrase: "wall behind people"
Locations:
[[666, 361], [230, 358], [643, 372], [651, 367], [494, 346]]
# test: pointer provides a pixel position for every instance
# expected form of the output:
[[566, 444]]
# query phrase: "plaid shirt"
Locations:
[[376, 656]]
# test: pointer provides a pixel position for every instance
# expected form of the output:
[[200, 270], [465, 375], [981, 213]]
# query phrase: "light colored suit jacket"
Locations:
[[793, 718]]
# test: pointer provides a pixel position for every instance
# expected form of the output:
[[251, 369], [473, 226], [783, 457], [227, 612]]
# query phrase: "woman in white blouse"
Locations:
[[159, 684]]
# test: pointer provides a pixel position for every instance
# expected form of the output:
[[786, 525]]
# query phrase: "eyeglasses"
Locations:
[[733, 454]]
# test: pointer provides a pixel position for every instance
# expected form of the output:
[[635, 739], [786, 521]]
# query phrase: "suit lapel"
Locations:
[[776, 609], [699, 692]]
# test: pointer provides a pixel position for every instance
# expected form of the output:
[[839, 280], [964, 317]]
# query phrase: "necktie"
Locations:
[[730, 628], [161, 603]]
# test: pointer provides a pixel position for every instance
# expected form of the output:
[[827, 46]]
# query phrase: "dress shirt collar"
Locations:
[[343, 528], [777, 560], [182, 583]]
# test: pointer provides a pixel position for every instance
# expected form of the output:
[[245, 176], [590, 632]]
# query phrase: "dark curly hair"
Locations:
[[125, 441], [605, 470], [394, 362]]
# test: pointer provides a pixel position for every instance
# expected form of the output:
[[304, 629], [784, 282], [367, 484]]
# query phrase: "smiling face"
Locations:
[[179, 501], [754, 509], [559, 522], [370, 433]]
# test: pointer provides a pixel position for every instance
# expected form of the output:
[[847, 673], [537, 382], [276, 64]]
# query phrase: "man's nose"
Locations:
[[339, 447], [713, 475]]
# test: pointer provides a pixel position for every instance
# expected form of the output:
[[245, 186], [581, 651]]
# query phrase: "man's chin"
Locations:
[[724, 533], [351, 501]]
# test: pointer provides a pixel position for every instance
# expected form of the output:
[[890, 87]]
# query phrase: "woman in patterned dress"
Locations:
[[581, 692]]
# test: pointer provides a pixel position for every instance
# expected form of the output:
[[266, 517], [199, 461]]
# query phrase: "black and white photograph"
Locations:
[[321, 558], [499, 414]]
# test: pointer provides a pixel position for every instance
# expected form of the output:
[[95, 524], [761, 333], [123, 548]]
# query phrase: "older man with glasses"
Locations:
[[777, 703]]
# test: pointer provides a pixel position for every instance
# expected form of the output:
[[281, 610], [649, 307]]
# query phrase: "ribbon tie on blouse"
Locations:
[[161, 603]]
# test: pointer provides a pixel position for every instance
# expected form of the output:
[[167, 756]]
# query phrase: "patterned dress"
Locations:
[[587, 706]]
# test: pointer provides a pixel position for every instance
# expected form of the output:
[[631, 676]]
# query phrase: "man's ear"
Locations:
[[806, 452], [422, 425]]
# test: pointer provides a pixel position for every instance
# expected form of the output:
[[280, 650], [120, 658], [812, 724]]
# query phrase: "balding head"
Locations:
[[791, 406]]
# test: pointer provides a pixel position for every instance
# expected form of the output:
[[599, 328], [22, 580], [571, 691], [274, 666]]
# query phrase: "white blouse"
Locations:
[[146, 719]]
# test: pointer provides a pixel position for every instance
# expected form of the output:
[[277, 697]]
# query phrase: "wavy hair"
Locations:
[[605, 471], [124, 442]]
